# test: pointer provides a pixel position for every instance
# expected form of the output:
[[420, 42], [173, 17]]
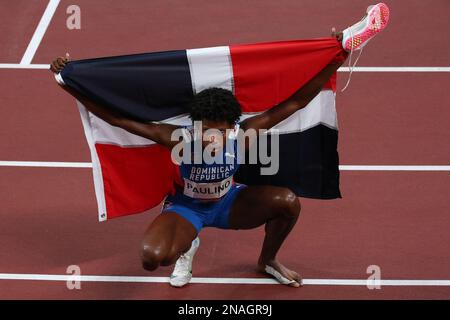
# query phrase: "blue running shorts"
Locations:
[[204, 214]]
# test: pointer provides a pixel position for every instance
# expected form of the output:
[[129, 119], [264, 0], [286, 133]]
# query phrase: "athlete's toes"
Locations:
[[297, 278]]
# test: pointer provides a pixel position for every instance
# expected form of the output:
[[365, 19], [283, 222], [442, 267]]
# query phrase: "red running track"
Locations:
[[397, 220]]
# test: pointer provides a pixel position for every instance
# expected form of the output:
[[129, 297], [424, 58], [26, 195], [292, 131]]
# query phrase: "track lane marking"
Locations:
[[394, 168], [23, 66], [39, 32], [141, 279], [396, 69], [57, 164], [41, 164]]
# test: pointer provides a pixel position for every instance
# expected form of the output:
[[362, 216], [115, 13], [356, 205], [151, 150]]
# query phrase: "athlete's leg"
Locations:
[[169, 236], [278, 208]]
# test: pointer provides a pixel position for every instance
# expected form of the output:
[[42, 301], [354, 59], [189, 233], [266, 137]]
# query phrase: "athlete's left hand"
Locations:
[[59, 63], [337, 35]]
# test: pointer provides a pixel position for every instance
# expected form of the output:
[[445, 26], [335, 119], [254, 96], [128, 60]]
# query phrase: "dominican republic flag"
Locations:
[[133, 174]]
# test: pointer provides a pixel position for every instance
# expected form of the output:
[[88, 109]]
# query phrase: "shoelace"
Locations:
[[350, 66], [182, 265]]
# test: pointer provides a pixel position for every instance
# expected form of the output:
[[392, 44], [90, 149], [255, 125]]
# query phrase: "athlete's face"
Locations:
[[215, 133]]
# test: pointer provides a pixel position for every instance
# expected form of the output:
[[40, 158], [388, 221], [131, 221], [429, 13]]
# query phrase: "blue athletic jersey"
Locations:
[[208, 192], [205, 181]]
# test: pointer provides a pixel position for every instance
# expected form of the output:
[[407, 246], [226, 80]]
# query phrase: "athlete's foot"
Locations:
[[282, 274]]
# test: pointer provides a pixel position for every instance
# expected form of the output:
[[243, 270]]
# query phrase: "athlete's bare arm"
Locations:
[[158, 132], [297, 101]]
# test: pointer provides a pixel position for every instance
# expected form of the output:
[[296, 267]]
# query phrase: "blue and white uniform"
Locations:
[[208, 190]]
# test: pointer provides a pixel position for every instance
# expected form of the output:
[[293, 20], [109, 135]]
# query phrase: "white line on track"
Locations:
[[23, 66], [54, 164], [394, 168], [342, 69], [396, 69], [140, 279], [39, 32], [45, 164]]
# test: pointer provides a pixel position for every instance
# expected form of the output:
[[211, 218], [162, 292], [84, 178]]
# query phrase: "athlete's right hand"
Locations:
[[59, 63]]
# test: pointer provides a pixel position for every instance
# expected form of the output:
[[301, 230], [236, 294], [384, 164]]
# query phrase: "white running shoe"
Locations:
[[359, 34], [182, 273]]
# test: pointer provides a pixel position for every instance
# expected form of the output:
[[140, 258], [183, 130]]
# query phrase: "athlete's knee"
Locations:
[[151, 257], [289, 204]]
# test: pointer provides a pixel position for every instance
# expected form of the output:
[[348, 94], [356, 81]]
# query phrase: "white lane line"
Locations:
[[39, 32], [140, 279], [55, 164], [394, 168], [23, 66], [396, 69], [342, 69], [45, 164]]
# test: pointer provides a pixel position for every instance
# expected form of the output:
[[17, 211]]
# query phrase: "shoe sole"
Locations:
[[378, 17]]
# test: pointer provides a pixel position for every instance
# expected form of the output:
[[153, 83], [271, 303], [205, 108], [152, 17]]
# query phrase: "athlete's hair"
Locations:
[[215, 104]]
